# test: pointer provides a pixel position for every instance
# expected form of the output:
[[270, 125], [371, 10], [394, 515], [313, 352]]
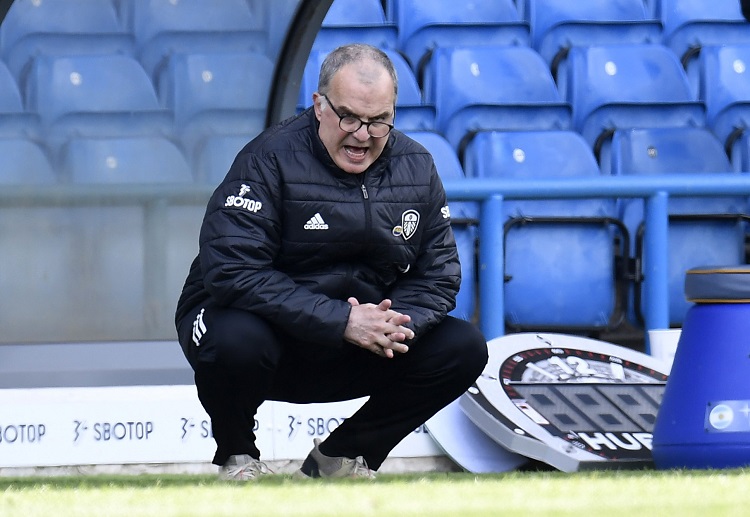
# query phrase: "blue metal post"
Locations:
[[491, 268], [655, 257]]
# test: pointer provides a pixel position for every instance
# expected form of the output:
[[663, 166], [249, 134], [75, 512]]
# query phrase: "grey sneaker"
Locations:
[[243, 467], [318, 465]]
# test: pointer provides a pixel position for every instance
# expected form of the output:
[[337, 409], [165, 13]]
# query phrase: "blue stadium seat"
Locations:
[[278, 15], [558, 25], [356, 21], [566, 252], [424, 26], [702, 231], [485, 88], [15, 121], [24, 162], [464, 219], [741, 155], [725, 90], [411, 113], [94, 95], [652, 7], [690, 25], [165, 27], [309, 83], [33, 28], [214, 155], [123, 160], [216, 94], [619, 86]]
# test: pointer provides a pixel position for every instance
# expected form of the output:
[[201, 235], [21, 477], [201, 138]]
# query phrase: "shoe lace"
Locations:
[[361, 470], [249, 470]]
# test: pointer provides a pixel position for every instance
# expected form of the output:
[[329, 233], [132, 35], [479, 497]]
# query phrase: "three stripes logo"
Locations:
[[199, 328], [316, 222]]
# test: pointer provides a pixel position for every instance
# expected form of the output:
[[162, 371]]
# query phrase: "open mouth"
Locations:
[[355, 153]]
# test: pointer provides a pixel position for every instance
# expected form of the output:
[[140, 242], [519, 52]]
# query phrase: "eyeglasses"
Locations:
[[351, 124]]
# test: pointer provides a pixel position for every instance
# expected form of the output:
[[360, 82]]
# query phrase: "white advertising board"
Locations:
[[155, 424]]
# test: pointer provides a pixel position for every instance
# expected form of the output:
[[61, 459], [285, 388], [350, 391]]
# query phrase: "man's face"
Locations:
[[365, 91]]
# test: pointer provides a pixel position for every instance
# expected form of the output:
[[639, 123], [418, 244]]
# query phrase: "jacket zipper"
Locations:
[[368, 214]]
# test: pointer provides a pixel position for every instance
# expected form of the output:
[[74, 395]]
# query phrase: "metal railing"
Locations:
[[655, 190]]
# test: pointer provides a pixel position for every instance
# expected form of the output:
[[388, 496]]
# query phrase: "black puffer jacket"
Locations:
[[289, 236]]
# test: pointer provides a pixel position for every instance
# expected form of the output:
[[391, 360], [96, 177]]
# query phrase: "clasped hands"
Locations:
[[377, 328]]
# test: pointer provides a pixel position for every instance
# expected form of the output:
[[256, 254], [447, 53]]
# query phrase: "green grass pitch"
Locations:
[[595, 493]]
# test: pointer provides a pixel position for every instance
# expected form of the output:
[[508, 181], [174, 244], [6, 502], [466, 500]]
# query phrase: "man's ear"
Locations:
[[317, 104]]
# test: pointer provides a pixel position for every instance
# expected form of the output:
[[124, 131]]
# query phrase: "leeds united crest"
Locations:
[[409, 223]]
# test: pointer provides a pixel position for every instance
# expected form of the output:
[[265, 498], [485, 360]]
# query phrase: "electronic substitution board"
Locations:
[[571, 402]]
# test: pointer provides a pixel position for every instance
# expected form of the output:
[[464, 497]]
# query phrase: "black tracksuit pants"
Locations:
[[241, 361]]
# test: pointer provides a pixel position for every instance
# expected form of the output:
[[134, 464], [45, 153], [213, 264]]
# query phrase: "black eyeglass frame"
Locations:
[[361, 122]]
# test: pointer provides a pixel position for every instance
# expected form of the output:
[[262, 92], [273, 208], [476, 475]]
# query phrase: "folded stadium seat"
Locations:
[[33, 28], [278, 15], [165, 27], [558, 25], [24, 162], [424, 26], [464, 219], [690, 25], [411, 113], [489, 87], [123, 160], [619, 86], [725, 90], [15, 121], [356, 21], [94, 95], [216, 94], [702, 230], [214, 155], [564, 267]]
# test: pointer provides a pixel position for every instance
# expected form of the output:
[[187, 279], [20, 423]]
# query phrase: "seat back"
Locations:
[[424, 26], [690, 25], [558, 25], [94, 95], [35, 28], [123, 160], [216, 93], [704, 220], [486, 88], [449, 168], [24, 162], [620, 86], [163, 28], [562, 251], [214, 155], [725, 90], [360, 21], [15, 121]]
